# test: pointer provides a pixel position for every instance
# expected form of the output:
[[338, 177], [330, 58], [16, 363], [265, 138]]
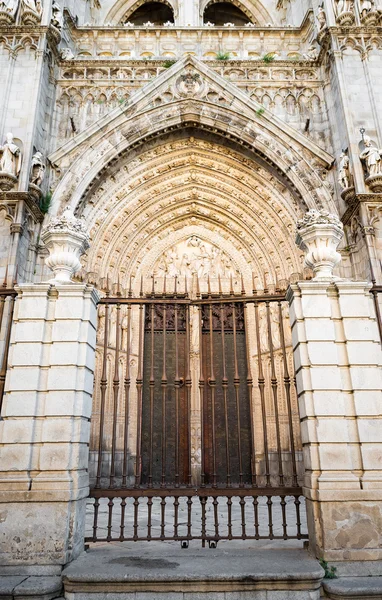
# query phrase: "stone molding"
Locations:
[[319, 234]]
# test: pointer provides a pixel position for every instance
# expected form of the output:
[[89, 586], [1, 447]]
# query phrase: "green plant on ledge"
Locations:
[[45, 202], [260, 111], [223, 56], [330, 572], [268, 58], [169, 63]]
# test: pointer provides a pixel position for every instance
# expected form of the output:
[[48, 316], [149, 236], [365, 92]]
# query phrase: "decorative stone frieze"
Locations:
[[67, 239], [318, 235]]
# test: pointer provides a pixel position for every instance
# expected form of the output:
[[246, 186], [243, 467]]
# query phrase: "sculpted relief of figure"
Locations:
[[38, 170], [10, 157], [194, 257], [9, 6], [372, 157]]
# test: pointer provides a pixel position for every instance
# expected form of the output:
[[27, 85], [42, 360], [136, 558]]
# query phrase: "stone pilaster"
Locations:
[[44, 432], [339, 379]]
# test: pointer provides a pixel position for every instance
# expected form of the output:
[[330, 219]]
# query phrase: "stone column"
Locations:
[[339, 380], [44, 432]]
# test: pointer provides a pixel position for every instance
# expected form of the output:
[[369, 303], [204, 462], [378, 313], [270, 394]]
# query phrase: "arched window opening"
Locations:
[[221, 13], [153, 12]]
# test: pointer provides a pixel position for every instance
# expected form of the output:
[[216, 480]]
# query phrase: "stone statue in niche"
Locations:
[[10, 157], [344, 176], [57, 17], [195, 257], [38, 169], [372, 157]]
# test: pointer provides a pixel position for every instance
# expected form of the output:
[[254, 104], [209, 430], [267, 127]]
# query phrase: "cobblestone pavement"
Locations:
[[222, 511]]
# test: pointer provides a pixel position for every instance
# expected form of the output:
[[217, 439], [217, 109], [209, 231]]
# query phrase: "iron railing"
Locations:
[[195, 432]]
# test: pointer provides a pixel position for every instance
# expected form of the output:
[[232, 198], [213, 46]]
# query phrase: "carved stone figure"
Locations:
[[9, 6], [312, 53], [66, 54], [194, 257], [321, 18], [372, 157], [344, 175], [38, 170], [57, 17], [10, 161]]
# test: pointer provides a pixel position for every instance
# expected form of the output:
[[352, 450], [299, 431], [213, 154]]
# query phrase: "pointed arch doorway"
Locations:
[[195, 428]]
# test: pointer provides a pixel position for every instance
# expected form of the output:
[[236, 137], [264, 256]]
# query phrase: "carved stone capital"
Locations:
[[7, 181], [67, 239], [318, 235], [375, 183]]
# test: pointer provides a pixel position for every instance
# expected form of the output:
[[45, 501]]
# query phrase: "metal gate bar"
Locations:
[[144, 450]]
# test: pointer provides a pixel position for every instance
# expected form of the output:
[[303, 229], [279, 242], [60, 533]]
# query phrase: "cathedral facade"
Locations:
[[191, 250]]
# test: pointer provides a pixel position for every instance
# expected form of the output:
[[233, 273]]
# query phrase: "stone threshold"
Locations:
[[354, 588], [30, 587], [214, 574]]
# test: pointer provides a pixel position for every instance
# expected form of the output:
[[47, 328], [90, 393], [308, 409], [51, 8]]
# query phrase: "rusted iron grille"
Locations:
[[195, 431], [7, 303]]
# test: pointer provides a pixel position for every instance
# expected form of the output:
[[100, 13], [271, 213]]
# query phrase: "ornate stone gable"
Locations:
[[178, 98]]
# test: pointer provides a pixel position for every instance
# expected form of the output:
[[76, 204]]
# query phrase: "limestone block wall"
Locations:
[[339, 380], [45, 426]]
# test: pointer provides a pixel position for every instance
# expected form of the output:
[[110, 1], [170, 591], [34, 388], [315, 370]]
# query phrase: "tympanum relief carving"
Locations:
[[195, 257]]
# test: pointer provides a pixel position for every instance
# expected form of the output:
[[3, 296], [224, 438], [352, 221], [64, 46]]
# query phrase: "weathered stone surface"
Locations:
[[354, 588]]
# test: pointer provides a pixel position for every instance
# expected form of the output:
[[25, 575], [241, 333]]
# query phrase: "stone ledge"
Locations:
[[126, 572], [354, 588], [21, 587]]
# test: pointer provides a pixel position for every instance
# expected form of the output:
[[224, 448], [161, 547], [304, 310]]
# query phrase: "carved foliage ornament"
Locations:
[[318, 235], [67, 239]]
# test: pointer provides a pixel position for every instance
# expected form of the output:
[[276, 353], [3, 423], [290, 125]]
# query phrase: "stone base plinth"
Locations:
[[59, 526], [346, 530]]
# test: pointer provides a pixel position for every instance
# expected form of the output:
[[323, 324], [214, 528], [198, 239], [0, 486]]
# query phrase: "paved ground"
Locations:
[[196, 521]]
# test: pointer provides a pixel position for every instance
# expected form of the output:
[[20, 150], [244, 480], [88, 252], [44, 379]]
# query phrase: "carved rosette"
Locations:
[[375, 183], [30, 18], [318, 235], [7, 181], [346, 18], [370, 18], [6, 18], [67, 240]]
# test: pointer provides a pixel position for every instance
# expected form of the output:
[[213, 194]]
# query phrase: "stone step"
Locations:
[[25, 587], [165, 572], [354, 588]]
